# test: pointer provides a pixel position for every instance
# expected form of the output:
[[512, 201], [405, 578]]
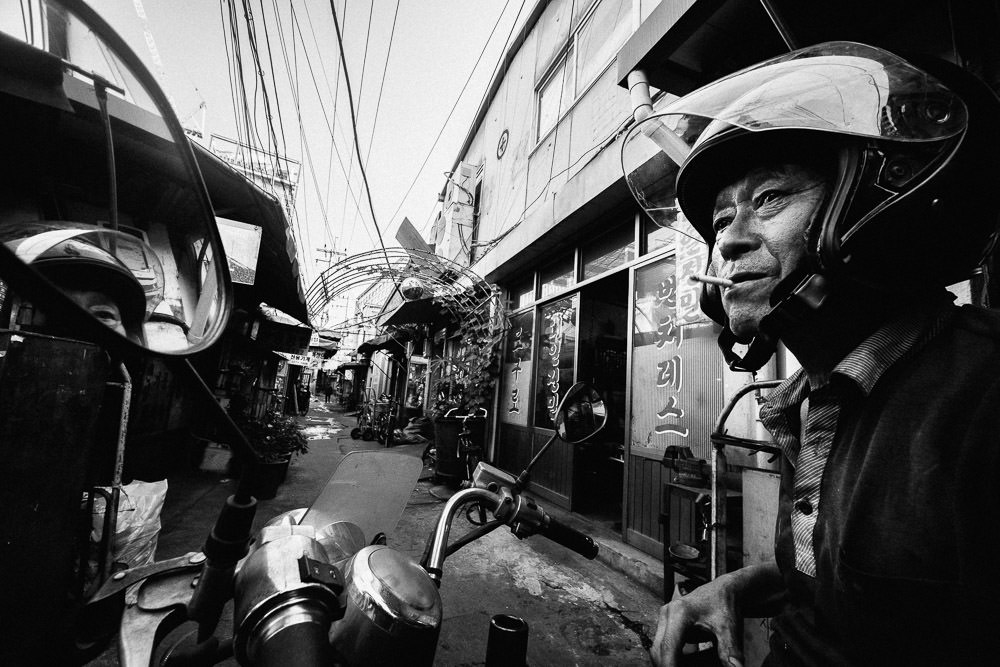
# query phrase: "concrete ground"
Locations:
[[579, 612]]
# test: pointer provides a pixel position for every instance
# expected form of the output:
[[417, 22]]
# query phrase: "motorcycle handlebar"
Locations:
[[570, 538]]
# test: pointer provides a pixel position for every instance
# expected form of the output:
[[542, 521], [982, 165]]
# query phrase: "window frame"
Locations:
[[572, 50]]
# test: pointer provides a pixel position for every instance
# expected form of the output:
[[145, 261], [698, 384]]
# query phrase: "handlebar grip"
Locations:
[[570, 538]]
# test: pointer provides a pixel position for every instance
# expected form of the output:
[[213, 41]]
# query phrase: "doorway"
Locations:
[[598, 464]]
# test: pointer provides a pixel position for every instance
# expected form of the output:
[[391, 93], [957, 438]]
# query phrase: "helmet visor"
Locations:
[[93, 248], [839, 88]]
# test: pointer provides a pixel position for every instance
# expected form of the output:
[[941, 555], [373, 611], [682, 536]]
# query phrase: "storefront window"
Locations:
[[611, 250], [676, 366], [523, 293], [556, 357], [416, 385], [516, 380], [558, 276], [656, 237]]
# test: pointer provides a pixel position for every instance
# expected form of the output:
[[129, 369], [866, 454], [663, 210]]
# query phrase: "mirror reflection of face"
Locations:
[[101, 306], [760, 222]]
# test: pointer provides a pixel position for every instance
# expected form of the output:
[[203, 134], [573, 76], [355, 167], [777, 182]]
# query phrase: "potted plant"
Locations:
[[465, 383], [276, 438]]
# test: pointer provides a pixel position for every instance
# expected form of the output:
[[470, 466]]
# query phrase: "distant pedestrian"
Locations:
[[327, 391]]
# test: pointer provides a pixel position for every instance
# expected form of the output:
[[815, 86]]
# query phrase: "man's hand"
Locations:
[[710, 608], [715, 608]]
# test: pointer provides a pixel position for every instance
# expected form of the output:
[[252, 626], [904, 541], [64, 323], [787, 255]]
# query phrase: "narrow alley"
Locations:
[[579, 612]]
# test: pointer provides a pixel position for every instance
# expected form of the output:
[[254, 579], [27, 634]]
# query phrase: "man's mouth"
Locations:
[[739, 277]]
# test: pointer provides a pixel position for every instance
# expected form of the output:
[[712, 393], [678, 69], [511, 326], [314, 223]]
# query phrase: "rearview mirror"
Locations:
[[105, 222], [581, 414]]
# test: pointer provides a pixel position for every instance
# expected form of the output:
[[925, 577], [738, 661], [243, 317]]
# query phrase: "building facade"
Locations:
[[596, 291], [537, 204]]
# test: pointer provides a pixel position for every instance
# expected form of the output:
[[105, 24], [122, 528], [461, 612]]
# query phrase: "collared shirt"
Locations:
[[808, 448]]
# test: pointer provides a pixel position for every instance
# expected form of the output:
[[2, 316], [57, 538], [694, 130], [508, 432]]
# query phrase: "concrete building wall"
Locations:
[[531, 181]]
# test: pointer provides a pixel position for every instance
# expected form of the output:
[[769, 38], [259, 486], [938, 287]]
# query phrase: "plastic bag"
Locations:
[[138, 526]]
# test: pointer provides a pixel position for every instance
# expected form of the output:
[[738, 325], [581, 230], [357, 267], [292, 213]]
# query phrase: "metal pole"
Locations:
[[111, 509]]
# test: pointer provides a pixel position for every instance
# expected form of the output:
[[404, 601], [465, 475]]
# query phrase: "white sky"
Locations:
[[435, 45]]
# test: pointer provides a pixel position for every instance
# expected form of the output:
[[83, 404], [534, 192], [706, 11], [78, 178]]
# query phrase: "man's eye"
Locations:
[[721, 223], [105, 315], [768, 196]]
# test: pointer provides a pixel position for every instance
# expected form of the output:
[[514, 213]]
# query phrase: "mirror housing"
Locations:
[[581, 415], [94, 150]]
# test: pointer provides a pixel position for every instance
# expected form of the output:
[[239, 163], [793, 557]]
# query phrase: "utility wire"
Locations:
[[361, 101], [503, 53], [357, 144], [455, 105], [305, 241], [331, 124], [378, 102], [330, 128]]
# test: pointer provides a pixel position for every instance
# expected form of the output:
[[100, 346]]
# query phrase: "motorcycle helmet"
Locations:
[[86, 259], [908, 147]]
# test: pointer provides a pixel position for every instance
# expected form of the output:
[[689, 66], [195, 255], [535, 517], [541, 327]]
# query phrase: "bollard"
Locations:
[[507, 645]]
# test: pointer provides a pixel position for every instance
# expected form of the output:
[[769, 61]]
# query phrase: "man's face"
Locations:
[[760, 222], [101, 306]]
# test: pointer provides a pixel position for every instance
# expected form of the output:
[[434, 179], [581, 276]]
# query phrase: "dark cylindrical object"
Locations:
[[507, 645]]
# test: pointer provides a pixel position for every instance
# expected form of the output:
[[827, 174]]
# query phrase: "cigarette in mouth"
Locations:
[[711, 280]]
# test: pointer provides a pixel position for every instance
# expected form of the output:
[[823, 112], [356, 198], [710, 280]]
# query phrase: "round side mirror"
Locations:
[[107, 233], [581, 414]]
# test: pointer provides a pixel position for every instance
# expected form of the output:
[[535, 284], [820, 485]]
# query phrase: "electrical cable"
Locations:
[[277, 98], [455, 105], [330, 128], [333, 93], [357, 146], [385, 68], [305, 241], [361, 101]]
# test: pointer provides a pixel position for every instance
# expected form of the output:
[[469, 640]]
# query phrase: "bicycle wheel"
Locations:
[[355, 433], [367, 434]]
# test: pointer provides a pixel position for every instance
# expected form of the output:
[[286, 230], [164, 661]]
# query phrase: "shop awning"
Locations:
[[354, 366], [685, 44], [383, 342], [236, 198], [295, 359], [418, 311]]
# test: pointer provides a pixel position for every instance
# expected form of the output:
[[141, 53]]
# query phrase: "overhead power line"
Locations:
[[455, 105], [357, 144]]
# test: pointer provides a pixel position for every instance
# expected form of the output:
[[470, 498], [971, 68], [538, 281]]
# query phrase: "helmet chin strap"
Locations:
[[803, 294]]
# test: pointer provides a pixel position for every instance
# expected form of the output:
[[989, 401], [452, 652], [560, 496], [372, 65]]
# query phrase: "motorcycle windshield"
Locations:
[[838, 87]]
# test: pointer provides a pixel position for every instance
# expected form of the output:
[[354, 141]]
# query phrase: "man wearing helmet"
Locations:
[[81, 260], [840, 189]]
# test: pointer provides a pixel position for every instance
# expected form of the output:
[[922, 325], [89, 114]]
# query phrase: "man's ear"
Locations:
[[710, 300]]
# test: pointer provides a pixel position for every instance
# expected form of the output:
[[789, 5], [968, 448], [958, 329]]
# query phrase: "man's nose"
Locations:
[[739, 236]]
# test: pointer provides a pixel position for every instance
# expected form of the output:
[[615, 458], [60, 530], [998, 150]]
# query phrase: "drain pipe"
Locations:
[[638, 93], [642, 108]]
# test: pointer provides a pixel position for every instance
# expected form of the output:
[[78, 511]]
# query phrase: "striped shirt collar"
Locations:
[[864, 366]]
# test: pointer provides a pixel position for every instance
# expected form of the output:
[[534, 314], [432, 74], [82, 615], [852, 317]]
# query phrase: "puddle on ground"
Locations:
[[321, 429]]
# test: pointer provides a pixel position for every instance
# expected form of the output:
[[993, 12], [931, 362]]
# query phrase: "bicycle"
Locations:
[[470, 453], [385, 421], [364, 429]]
